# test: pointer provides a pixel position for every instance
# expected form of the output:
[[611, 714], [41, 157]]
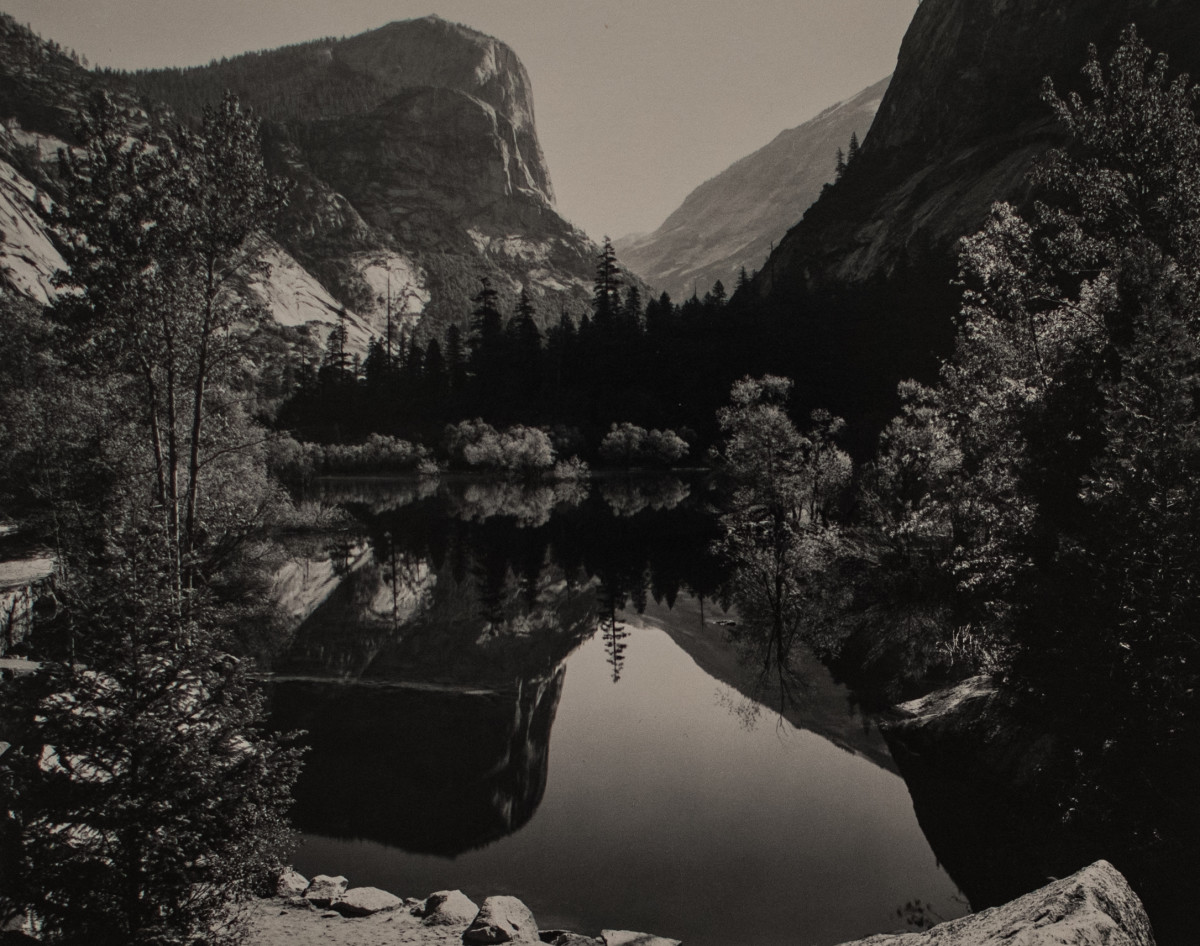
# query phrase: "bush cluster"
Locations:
[[630, 445]]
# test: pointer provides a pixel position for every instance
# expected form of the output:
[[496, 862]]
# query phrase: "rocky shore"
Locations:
[[1094, 907], [328, 910]]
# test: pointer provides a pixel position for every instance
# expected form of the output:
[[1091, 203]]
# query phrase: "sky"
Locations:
[[637, 101]]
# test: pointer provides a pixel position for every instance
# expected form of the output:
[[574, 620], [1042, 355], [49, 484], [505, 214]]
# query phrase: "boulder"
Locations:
[[299, 903], [291, 884], [630, 938], [502, 920], [567, 938], [1094, 907], [323, 889], [446, 908], [363, 901]]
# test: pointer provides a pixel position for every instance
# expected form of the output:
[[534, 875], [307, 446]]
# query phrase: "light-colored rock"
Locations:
[[364, 901], [1094, 907], [502, 920], [447, 908], [331, 915], [323, 889], [630, 938], [299, 903], [291, 884], [567, 938]]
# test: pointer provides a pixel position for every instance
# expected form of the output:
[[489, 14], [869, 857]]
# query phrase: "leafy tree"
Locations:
[[1061, 481], [142, 803], [777, 533], [157, 237]]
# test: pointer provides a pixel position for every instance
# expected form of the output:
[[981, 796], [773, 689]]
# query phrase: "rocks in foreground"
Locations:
[[1094, 907], [502, 920], [446, 908], [364, 901], [323, 890]]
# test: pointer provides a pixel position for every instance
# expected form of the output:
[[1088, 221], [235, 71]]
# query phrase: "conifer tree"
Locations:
[[606, 294]]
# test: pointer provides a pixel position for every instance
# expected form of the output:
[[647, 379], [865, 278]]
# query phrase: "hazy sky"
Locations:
[[637, 101]]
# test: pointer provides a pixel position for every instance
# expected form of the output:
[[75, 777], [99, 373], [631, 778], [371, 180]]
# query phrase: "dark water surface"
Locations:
[[532, 694]]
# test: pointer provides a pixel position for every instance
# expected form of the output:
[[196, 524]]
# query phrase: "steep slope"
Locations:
[[866, 271], [735, 219], [412, 150], [416, 138]]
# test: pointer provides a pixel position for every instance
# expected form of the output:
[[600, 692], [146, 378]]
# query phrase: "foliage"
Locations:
[[1047, 491], [518, 450], [628, 444], [296, 462], [142, 802], [157, 235], [779, 531], [145, 805]]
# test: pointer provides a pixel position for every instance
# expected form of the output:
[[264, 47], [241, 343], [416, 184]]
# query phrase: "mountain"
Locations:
[[867, 270], [414, 150], [735, 219], [413, 154]]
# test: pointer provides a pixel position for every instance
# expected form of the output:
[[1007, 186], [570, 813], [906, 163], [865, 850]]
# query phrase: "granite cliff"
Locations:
[[413, 154], [415, 139], [959, 127], [735, 219]]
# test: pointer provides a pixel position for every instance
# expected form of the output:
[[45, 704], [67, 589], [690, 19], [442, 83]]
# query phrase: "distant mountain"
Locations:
[[412, 149], [867, 271], [735, 219]]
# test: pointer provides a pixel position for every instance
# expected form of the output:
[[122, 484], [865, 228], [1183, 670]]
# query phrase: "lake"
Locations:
[[531, 692]]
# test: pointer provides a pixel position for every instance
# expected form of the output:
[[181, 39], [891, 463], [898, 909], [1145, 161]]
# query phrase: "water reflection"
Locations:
[[430, 666], [428, 659], [429, 770]]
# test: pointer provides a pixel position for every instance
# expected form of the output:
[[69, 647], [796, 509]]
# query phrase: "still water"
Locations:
[[534, 695]]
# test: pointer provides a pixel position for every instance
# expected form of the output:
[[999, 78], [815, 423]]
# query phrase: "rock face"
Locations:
[[417, 137], [1095, 906], [960, 125], [734, 219], [502, 920], [414, 159]]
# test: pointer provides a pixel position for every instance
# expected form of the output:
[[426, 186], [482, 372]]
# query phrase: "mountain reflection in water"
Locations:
[[470, 619]]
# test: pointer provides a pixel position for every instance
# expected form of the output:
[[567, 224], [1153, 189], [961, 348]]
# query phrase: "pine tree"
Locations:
[[606, 292]]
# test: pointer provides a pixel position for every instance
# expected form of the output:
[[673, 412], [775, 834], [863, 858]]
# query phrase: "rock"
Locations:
[[363, 901], [447, 908], [291, 884], [1094, 907], [976, 728], [567, 938], [502, 920], [331, 915], [323, 889], [629, 938], [299, 903]]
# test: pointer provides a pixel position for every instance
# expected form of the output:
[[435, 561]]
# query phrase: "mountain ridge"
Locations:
[[734, 218]]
